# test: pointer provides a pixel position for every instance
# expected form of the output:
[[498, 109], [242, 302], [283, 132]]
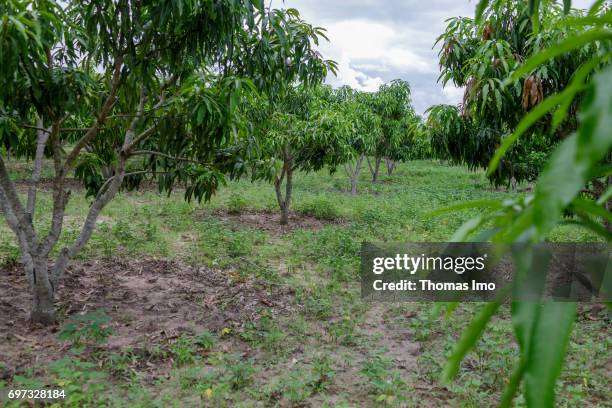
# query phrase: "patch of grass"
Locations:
[[92, 327], [205, 340], [236, 203], [183, 351], [386, 383], [319, 207], [264, 333]]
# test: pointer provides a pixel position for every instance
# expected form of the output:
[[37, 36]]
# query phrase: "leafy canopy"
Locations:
[[480, 57]]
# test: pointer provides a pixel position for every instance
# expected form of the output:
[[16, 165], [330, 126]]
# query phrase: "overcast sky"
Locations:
[[375, 41]]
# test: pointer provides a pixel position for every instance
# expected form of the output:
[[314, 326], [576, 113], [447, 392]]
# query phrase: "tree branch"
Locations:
[[148, 132], [13, 224], [11, 219], [129, 135], [37, 128], [177, 158], [42, 137], [90, 222], [100, 119], [60, 197], [12, 202], [141, 137]]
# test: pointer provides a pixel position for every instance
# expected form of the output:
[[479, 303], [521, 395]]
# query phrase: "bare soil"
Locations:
[[150, 302]]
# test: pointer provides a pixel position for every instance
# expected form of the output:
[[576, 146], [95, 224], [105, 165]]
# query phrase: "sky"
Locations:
[[375, 41]]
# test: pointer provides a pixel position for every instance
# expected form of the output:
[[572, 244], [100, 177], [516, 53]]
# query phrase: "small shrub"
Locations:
[[320, 208], [83, 384], [241, 374], [318, 307], [120, 364], [189, 377], [206, 340], [236, 203], [296, 387], [239, 245], [343, 331], [372, 216], [182, 350], [92, 327], [123, 232], [265, 333], [151, 230], [383, 380], [322, 372], [9, 254]]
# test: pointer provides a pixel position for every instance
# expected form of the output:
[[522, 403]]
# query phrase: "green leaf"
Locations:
[[578, 156], [528, 120], [575, 86], [594, 141], [567, 5], [605, 196], [498, 100], [596, 7], [467, 228], [548, 341], [480, 8], [513, 385], [542, 330], [590, 207], [563, 47], [468, 339], [485, 94], [534, 12]]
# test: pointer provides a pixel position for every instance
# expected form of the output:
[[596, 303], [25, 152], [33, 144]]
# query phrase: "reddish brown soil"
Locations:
[[150, 302], [269, 221]]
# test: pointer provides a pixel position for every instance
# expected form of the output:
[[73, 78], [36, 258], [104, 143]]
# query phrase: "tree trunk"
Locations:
[[608, 204], [35, 249], [375, 169], [288, 190], [43, 308], [284, 218], [354, 173], [513, 183], [354, 185], [391, 165], [599, 188], [286, 176]]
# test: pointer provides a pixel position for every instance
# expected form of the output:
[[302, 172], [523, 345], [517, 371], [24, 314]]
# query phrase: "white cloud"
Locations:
[[376, 43], [453, 94]]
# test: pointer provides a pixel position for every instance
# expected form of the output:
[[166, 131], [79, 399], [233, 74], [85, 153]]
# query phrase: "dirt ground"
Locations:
[[150, 301]]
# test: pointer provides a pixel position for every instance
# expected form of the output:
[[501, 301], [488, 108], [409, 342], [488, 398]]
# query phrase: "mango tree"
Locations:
[[367, 128], [113, 91], [479, 57], [305, 131], [392, 104], [415, 143]]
